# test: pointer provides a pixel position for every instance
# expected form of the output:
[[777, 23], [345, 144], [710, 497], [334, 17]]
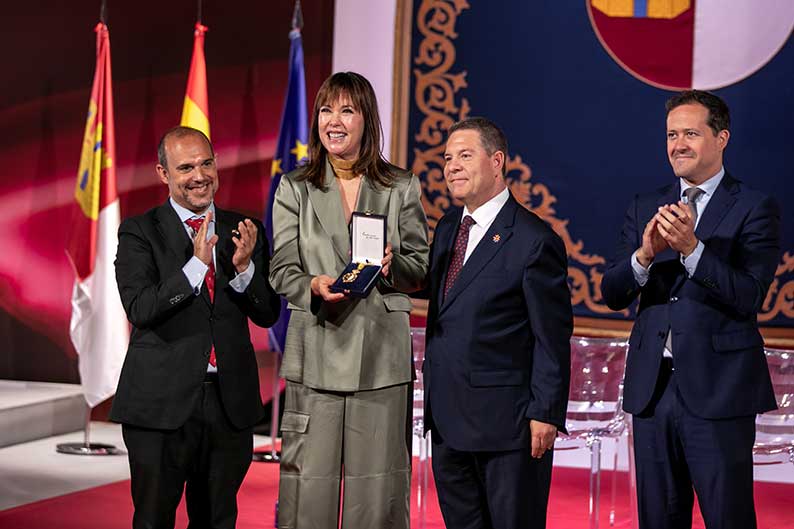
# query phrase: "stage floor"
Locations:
[[42, 488]]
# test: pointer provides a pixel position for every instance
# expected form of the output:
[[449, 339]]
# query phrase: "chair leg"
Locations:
[[422, 471], [595, 480], [614, 482], [633, 509]]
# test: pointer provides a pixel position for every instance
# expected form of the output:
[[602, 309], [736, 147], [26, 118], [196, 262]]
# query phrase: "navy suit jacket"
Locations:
[[498, 346], [174, 330], [721, 370]]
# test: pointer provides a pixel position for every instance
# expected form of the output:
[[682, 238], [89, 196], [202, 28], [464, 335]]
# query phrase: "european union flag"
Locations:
[[292, 150]]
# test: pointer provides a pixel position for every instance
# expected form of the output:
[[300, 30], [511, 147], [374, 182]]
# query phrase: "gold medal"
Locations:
[[353, 274]]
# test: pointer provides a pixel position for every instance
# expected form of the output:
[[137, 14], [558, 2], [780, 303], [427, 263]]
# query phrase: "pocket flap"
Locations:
[[503, 377], [294, 421], [397, 302], [732, 341]]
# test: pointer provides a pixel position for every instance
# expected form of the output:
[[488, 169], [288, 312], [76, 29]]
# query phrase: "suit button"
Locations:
[[673, 299]]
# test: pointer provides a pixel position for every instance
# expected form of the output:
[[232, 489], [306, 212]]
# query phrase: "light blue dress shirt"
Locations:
[[691, 261]]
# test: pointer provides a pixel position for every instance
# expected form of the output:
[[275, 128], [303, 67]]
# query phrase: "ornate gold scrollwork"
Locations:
[[437, 96], [780, 297]]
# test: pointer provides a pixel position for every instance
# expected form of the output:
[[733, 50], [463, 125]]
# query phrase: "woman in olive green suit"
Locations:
[[347, 361]]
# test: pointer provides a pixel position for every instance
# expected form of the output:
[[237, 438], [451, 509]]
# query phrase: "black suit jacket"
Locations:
[[721, 370], [174, 330], [498, 346]]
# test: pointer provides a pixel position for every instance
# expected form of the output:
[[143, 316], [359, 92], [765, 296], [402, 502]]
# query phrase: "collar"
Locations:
[[709, 186], [185, 213], [342, 168], [485, 214]]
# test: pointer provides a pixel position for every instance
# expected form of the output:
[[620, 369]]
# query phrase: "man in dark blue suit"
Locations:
[[497, 363], [700, 253]]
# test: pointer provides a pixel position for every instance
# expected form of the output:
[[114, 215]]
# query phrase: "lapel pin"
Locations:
[[497, 238]]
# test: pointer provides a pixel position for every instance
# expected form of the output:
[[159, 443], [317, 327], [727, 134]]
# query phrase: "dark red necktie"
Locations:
[[458, 253], [209, 278]]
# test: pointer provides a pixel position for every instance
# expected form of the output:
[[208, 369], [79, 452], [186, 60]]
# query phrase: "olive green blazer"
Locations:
[[355, 344]]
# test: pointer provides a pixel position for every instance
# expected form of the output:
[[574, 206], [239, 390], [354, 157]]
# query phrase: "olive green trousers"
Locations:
[[359, 443]]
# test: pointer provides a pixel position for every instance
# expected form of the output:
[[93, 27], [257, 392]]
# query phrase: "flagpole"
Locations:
[[87, 448], [89, 306], [274, 456], [195, 110]]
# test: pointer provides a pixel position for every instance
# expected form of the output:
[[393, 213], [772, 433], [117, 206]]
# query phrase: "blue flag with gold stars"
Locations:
[[292, 151]]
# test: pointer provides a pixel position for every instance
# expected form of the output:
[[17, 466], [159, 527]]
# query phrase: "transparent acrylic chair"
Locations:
[[422, 470], [595, 407], [774, 430]]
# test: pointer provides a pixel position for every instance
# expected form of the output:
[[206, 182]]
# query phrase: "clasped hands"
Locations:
[[244, 243], [321, 284], [673, 226]]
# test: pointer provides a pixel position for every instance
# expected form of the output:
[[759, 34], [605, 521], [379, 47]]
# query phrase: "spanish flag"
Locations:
[[196, 110], [99, 328]]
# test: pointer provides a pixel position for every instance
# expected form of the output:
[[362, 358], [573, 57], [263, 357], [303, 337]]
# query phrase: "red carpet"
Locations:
[[110, 507]]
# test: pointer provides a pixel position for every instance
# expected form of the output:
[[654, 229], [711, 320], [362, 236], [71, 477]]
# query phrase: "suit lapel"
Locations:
[[487, 248], [445, 239], [373, 198], [669, 195], [178, 241], [717, 208], [328, 209], [715, 211], [174, 233]]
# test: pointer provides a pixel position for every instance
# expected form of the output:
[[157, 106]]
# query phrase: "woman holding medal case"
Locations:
[[347, 361]]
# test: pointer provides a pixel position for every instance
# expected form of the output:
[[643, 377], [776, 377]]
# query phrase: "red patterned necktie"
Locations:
[[458, 253], [195, 224]]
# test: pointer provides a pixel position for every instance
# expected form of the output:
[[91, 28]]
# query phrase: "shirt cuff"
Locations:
[[640, 272], [241, 282], [194, 271], [691, 262]]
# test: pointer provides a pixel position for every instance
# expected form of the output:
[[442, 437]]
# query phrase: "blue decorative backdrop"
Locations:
[[584, 135]]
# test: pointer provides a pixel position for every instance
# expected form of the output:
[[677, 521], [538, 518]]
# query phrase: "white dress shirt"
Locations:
[[483, 218]]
